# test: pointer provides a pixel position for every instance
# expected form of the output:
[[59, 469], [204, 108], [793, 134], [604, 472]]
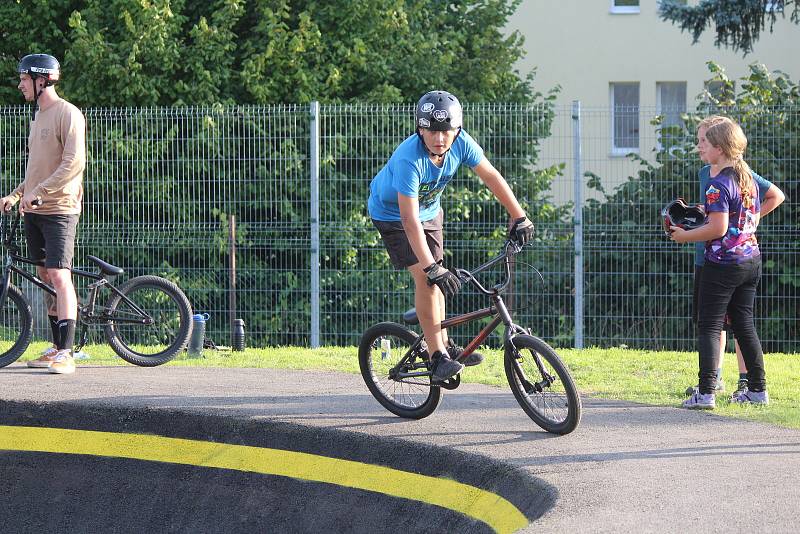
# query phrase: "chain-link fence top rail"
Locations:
[[162, 184]]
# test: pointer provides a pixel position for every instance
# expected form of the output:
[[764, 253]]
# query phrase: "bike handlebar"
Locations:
[[9, 223], [510, 249]]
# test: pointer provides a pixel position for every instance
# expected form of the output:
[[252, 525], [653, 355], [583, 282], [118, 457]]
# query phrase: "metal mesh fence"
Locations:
[[182, 192]]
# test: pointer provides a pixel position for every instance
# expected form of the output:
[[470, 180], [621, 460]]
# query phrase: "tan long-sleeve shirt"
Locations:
[[56, 159]]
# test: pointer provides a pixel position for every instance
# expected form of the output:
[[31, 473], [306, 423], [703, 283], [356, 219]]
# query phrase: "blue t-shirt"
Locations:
[[705, 175], [739, 242], [412, 173]]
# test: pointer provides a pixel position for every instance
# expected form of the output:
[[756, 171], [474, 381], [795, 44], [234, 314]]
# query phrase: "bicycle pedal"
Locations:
[[451, 383]]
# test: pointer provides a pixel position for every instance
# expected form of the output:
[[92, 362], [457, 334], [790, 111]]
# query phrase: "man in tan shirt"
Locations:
[[50, 198]]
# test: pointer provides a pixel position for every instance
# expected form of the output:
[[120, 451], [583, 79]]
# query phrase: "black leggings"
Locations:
[[730, 288]]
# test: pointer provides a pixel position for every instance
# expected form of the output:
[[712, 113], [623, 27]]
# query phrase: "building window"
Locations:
[[624, 6], [671, 102], [625, 119]]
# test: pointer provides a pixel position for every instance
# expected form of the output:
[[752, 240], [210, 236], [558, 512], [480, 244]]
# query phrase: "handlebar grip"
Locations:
[[463, 274]]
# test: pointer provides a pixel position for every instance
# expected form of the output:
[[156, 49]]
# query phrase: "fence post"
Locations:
[[578, 221], [314, 164]]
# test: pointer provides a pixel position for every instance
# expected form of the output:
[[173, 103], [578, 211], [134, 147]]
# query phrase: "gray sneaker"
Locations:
[[444, 367], [751, 397], [455, 352], [699, 401]]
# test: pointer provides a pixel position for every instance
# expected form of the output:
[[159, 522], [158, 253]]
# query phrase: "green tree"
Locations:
[[163, 178], [174, 52], [738, 23], [26, 27]]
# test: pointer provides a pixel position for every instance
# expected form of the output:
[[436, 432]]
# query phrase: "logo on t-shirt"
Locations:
[[712, 194]]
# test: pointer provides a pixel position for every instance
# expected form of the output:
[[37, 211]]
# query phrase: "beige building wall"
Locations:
[[582, 46]]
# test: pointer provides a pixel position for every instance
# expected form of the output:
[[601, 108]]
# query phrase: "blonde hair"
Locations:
[[726, 135]]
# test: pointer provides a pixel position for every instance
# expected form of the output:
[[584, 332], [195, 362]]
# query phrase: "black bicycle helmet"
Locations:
[[40, 66], [679, 213], [438, 110]]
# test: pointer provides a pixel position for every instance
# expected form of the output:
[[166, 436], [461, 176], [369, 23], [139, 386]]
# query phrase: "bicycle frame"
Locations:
[[498, 309]]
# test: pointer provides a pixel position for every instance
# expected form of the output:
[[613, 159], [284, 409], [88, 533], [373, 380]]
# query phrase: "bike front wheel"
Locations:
[[150, 322], [394, 368], [16, 326], [542, 384]]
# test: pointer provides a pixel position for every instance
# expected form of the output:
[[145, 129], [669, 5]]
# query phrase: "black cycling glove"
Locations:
[[521, 230], [444, 279]]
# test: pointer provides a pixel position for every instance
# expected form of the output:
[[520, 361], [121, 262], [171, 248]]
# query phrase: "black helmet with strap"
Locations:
[[40, 66], [438, 110]]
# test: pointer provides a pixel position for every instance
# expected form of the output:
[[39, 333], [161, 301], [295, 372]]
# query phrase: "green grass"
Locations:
[[649, 377]]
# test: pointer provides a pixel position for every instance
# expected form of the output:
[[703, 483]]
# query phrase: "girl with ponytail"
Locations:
[[732, 268]]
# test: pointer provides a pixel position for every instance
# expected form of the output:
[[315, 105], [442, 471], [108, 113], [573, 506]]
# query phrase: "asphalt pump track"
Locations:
[[68, 467]]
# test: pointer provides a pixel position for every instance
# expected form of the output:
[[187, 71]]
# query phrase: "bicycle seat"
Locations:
[[105, 267], [410, 316]]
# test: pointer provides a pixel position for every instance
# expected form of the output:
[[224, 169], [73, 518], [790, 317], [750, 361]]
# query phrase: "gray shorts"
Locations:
[[51, 239], [396, 241]]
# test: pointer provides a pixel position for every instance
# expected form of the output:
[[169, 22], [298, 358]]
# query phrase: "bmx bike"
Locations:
[[146, 320], [395, 364]]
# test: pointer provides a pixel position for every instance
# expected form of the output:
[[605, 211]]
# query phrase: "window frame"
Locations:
[[617, 151], [660, 102]]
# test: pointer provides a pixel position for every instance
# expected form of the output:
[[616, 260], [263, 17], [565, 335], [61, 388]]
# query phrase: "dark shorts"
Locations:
[[396, 241], [51, 239], [727, 323]]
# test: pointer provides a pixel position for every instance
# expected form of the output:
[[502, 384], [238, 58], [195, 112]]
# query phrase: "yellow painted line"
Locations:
[[474, 502]]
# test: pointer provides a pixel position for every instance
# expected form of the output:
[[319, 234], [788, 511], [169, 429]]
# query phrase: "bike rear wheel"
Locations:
[[542, 384], [158, 342], [16, 326], [384, 352]]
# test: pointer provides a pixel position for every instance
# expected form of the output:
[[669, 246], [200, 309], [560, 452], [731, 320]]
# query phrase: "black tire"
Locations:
[[156, 343], [16, 326], [552, 401], [413, 398]]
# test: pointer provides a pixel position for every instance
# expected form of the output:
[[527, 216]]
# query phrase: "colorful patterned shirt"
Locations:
[[704, 176], [739, 242]]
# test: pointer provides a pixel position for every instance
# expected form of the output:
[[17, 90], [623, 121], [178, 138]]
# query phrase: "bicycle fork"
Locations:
[[512, 330]]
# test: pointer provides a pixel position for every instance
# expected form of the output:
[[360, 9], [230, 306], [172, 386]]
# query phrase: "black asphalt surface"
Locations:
[[628, 467]]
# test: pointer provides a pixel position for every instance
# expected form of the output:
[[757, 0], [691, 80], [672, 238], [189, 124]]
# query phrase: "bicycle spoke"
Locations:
[[386, 353], [150, 324]]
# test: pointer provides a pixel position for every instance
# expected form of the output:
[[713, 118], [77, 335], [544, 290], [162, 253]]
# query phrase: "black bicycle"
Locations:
[[395, 364], [147, 320]]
